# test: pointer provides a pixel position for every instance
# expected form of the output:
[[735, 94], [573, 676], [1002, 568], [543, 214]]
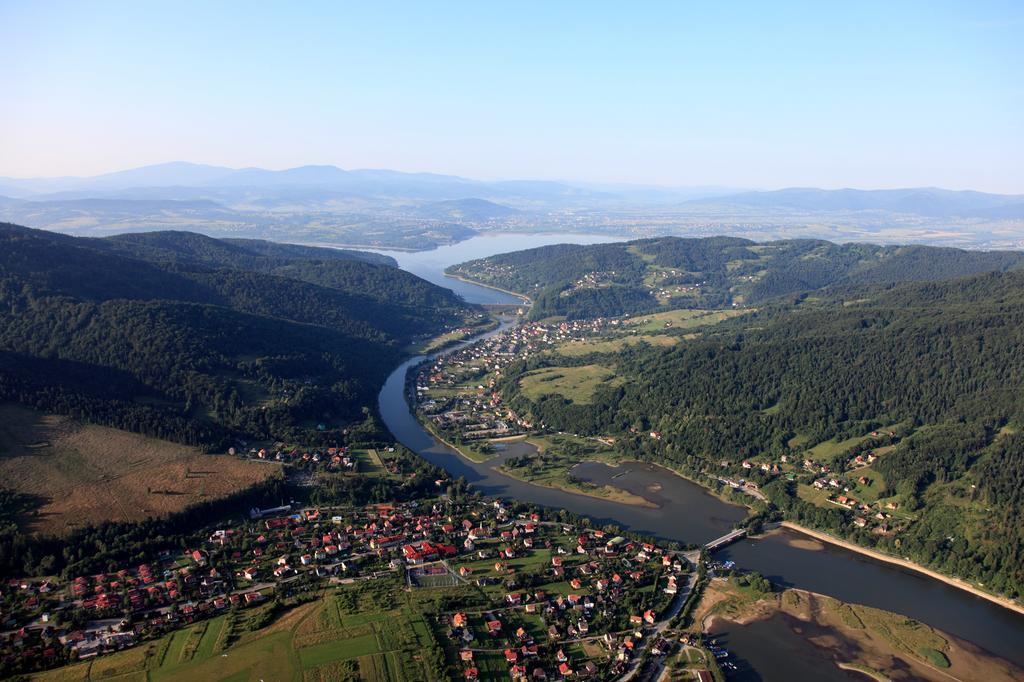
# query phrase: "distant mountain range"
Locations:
[[392, 209], [924, 201], [183, 181]]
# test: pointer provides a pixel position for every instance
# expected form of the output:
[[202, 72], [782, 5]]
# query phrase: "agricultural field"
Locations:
[[322, 640], [576, 384], [83, 474]]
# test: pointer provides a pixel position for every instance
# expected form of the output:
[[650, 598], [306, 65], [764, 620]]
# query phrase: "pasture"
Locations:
[[82, 474]]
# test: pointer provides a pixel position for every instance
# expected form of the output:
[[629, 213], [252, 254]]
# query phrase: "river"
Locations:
[[430, 265], [688, 513]]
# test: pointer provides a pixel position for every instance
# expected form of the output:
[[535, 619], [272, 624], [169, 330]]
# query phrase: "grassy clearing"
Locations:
[[86, 474], [575, 349], [576, 384], [830, 449], [682, 319], [369, 463]]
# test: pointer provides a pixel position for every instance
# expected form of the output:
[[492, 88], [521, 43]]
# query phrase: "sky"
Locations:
[[738, 94]]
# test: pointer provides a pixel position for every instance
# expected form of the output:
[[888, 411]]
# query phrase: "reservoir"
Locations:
[[687, 513], [430, 265]]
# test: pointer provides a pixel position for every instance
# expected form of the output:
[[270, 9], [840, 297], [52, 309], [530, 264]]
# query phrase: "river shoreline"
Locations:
[[903, 563], [819, 535], [879, 584], [822, 630], [526, 299]]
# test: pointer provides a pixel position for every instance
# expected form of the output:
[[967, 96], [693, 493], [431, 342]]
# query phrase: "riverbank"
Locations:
[[608, 492], [818, 631], [526, 299], [904, 563]]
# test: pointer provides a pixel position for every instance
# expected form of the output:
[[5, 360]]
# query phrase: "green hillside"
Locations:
[[205, 340], [717, 272], [923, 381]]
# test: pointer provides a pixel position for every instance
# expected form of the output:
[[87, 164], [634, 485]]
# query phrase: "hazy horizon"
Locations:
[[743, 95], [566, 181]]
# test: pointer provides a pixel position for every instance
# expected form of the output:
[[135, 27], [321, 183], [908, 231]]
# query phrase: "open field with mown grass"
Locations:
[[576, 384], [82, 474]]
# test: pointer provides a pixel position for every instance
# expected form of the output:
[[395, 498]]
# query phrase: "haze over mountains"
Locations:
[[385, 208]]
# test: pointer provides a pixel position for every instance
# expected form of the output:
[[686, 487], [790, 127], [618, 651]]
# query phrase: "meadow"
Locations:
[[576, 384], [83, 474]]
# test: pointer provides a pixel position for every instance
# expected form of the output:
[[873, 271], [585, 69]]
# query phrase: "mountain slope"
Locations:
[[209, 339], [716, 272], [909, 397]]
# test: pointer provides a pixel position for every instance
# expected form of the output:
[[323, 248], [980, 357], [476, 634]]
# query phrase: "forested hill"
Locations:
[[934, 370], [716, 272], [249, 253], [200, 340]]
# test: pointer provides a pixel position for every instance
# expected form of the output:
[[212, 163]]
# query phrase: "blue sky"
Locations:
[[752, 94]]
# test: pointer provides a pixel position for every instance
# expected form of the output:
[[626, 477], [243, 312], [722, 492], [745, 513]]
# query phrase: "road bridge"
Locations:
[[726, 539]]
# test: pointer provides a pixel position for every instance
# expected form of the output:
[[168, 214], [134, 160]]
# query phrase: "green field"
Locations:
[[576, 384], [681, 319], [576, 349], [328, 639]]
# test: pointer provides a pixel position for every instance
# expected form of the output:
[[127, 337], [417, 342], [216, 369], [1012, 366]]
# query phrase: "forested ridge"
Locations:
[[200, 340], [639, 276], [941, 363]]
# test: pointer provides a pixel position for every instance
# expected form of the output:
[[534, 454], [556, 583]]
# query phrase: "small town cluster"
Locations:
[[843, 478], [455, 391], [551, 599]]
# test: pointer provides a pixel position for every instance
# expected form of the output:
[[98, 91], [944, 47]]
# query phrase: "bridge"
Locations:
[[725, 539]]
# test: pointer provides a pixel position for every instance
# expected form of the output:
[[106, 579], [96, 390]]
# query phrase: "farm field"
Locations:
[[576, 384], [320, 640], [83, 474]]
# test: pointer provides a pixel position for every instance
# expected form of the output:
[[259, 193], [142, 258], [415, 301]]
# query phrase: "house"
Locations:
[[493, 627], [460, 620]]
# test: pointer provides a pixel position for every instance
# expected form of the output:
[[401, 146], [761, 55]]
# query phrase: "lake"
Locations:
[[430, 265], [688, 513]]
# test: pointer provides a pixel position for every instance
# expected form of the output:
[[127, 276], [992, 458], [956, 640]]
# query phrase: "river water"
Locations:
[[687, 513]]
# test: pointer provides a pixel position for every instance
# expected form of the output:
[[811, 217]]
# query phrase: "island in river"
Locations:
[[798, 634]]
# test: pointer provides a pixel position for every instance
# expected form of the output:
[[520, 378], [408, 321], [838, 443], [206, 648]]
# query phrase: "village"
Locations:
[[544, 599], [455, 392]]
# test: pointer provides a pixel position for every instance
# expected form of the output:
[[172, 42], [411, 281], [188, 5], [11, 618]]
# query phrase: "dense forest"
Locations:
[[640, 276], [943, 360], [203, 341]]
